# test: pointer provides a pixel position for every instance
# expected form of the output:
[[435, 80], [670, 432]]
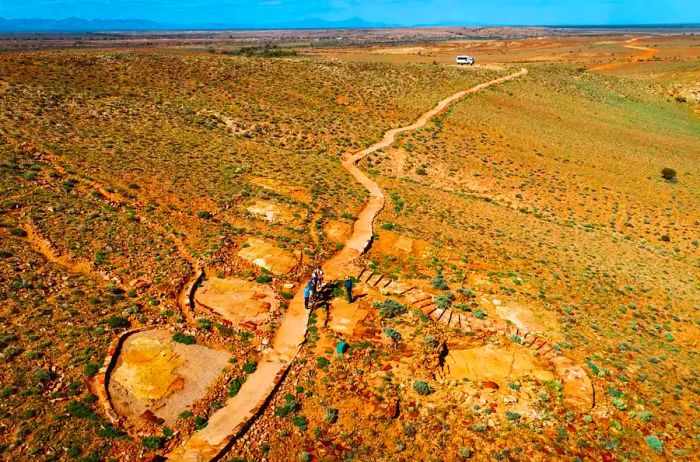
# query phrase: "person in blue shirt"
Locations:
[[348, 288], [307, 295]]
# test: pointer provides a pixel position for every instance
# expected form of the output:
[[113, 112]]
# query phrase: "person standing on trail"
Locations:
[[313, 283], [317, 276], [307, 295], [312, 288], [348, 288]]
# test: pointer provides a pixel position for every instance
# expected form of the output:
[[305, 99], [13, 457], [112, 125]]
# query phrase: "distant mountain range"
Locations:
[[103, 25]]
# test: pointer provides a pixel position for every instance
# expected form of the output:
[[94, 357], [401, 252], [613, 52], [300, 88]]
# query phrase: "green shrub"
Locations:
[[91, 369], [290, 407], [439, 281], [322, 362], [235, 386], [390, 308], [422, 388], [442, 302], [179, 337], [80, 410], [110, 432], [392, 334], [668, 174], [264, 279], [250, 367], [513, 416], [19, 232], [204, 323], [300, 422], [464, 453], [655, 443], [152, 442], [478, 314], [200, 423], [100, 257], [118, 322], [225, 330], [69, 184], [203, 214], [331, 416]]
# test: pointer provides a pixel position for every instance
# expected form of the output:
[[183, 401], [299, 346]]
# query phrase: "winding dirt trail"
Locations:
[[231, 421], [649, 53]]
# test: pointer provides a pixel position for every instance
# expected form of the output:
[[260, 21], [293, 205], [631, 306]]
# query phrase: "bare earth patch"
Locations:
[[392, 243], [524, 319], [270, 211], [155, 374], [297, 192], [338, 231]]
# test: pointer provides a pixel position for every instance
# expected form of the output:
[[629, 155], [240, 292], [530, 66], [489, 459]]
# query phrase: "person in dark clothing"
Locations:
[[348, 288]]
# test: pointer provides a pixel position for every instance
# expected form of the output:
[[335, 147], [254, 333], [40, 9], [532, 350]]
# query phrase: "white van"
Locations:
[[464, 59]]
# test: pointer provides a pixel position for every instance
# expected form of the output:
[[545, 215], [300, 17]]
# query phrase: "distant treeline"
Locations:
[[262, 51]]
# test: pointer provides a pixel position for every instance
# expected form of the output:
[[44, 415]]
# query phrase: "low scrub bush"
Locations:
[[392, 334], [422, 388], [235, 386], [390, 308], [184, 339]]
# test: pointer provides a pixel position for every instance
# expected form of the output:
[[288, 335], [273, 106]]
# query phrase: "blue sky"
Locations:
[[400, 12]]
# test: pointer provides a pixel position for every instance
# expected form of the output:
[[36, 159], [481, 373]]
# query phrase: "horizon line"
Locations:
[[157, 26]]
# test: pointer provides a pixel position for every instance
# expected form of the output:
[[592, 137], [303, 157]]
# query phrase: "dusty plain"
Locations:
[[531, 292]]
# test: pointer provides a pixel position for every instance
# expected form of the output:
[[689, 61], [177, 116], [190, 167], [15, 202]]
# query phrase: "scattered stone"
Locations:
[[488, 384]]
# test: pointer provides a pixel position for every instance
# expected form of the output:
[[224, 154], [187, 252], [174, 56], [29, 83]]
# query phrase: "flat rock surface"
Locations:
[[155, 374], [344, 317], [265, 255], [495, 364], [237, 300]]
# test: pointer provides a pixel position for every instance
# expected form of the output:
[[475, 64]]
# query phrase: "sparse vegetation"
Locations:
[[123, 171], [668, 174], [185, 339], [422, 388], [390, 308]]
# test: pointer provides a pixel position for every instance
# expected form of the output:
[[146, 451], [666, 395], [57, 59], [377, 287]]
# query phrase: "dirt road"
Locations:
[[648, 54], [231, 421]]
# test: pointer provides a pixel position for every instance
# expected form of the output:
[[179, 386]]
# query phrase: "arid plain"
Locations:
[[523, 236]]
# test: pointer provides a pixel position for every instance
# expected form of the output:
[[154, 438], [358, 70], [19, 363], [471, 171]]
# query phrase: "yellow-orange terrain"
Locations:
[[523, 238]]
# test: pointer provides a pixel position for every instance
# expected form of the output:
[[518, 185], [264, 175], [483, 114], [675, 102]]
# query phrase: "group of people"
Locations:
[[315, 285]]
